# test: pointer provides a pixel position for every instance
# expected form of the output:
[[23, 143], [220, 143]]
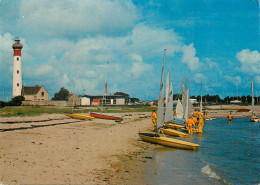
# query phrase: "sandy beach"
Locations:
[[80, 152], [55, 149]]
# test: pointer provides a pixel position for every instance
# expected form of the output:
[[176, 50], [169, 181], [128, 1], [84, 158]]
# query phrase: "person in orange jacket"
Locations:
[[230, 117], [190, 122], [201, 124], [154, 119]]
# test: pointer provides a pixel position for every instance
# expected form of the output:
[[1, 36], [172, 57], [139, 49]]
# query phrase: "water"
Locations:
[[229, 153]]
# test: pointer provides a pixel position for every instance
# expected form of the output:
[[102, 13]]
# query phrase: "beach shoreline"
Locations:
[[61, 150]]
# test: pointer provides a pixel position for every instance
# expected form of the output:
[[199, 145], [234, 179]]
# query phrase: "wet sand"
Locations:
[[55, 149]]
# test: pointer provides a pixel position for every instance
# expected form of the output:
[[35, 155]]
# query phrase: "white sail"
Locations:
[[169, 104], [201, 98], [179, 110], [167, 89], [184, 100], [160, 113], [253, 100]]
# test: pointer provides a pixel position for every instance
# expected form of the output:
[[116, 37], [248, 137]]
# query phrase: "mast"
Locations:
[[253, 100], [201, 98], [160, 114]]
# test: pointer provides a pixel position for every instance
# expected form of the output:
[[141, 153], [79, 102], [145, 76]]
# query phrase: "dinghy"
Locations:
[[105, 116], [78, 116]]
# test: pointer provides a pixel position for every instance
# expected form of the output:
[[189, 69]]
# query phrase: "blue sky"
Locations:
[[68, 44]]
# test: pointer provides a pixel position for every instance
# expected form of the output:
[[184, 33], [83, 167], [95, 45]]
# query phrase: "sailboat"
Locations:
[[168, 127], [162, 140], [253, 118]]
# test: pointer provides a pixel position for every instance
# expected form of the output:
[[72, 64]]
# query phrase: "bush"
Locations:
[[16, 101]]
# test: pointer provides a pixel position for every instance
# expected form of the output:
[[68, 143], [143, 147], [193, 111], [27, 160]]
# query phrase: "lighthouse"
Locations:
[[17, 68]]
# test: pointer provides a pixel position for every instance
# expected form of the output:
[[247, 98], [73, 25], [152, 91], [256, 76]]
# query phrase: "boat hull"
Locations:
[[169, 142], [105, 116], [194, 130], [78, 116], [172, 132], [172, 125], [254, 119]]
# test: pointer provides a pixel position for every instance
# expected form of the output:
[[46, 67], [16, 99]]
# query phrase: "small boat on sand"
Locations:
[[170, 142], [194, 130], [78, 116], [105, 116], [172, 125], [172, 132]]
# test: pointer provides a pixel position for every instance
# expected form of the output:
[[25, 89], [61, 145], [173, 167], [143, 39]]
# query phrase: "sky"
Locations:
[[79, 45]]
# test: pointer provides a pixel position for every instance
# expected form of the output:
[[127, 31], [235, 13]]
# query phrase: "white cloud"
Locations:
[[234, 79], [71, 18], [198, 77], [250, 61], [44, 69], [138, 66], [210, 63], [189, 57]]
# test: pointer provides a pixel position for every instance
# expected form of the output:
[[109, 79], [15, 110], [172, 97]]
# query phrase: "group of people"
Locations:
[[193, 121]]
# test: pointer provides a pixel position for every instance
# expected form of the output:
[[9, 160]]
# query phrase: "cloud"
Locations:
[[70, 18], [198, 77], [189, 57], [250, 61], [210, 63], [234, 79], [138, 66]]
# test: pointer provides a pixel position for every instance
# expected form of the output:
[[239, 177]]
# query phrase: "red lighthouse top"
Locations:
[[17, 46]]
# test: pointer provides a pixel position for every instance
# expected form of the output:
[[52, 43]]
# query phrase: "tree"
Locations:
[[16, 101], [61, 95]]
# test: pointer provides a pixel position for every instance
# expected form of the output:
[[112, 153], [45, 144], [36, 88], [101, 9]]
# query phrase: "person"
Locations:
[[230, 117], [200, 115], [154, 119], [201, 124], [254, 117], [190, 122]]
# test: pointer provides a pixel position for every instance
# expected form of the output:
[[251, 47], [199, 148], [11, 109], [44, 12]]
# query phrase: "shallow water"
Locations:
[[229, 153]]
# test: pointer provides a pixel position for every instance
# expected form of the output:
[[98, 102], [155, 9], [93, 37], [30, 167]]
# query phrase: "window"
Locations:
[[17, 71], [42, 93], [17, 58], [17, 84]]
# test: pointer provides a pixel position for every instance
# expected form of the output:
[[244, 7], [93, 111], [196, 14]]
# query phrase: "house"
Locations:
[[36, 93], [73, 100], [102, 99]]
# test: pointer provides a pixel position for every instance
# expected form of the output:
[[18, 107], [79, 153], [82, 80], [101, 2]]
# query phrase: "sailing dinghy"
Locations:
[[78, 116], [253, 118], [162, 140], [105, 116]]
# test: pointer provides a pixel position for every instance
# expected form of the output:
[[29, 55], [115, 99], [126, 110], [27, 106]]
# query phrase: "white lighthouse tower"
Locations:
[[17, 68]]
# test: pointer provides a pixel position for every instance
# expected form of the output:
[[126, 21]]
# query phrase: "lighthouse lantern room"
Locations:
[[17, 68]]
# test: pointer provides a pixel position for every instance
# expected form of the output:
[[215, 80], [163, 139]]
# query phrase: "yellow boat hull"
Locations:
[[194, 130], [172, 132], [169, 142], [171, 125], [78, 116]]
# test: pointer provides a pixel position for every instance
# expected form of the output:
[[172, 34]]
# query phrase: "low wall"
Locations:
[[45, 103]]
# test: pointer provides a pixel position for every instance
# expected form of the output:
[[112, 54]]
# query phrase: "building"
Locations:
[[73, 100], [36, 93], [17, 68], [105, 100]]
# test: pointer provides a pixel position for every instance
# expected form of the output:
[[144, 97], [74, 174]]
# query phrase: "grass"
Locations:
[[37, 110]]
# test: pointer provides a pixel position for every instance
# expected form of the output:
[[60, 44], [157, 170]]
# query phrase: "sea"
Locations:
[[229, 153]]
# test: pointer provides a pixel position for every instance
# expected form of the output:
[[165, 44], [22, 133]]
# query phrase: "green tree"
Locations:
[[61, 95], [16, 101]]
